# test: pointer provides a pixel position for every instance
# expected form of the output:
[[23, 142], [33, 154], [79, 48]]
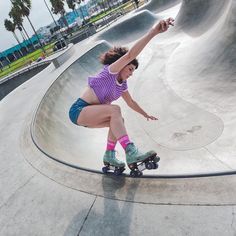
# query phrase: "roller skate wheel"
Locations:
[[155, 165], [117, 172], [136, 173], [150, 165], [105, 169], [133, 173], [156, 159], [139, 173]]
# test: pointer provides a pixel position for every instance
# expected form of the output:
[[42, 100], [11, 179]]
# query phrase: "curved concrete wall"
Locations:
[[52, 125], [9, 85], [188, 82], [208, 71], [157, 6], [197, 16], [129, 29]]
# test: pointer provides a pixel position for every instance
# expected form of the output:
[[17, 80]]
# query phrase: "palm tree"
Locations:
[[71, 5], [58, 7], [51, 14], [10, 26], [24, 6], [18, 21]]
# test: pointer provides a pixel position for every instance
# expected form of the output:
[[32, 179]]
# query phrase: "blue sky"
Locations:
[[39, 16]]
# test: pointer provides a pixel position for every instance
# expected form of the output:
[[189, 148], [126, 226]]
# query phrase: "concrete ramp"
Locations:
[[8, 85], [157, 6], [130, 29], [206, 76], [187, 82], [198, 16], [52, 131]]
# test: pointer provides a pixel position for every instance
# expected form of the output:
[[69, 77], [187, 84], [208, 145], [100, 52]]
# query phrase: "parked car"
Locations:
[[61, 43]]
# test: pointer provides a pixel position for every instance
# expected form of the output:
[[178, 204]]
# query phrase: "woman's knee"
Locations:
[[115, 109]]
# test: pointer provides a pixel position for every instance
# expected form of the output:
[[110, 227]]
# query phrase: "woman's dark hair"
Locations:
[[114, 54]]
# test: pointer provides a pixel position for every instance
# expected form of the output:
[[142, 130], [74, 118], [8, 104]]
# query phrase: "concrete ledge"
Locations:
[[25, 69], [58, 61]]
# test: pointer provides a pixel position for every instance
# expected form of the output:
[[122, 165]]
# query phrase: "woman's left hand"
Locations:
[[150, 117], [162, 26]]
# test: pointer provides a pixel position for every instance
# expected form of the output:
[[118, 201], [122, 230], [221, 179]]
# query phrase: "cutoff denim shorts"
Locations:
[[76, 108]]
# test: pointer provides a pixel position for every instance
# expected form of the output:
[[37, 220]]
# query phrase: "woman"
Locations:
[[94, 109]]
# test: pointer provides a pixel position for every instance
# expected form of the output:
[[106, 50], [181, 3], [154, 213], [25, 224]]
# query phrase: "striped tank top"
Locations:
[[106, 86]]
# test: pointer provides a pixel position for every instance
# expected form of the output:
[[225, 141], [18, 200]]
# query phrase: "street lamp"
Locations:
[[54, 21], [50, 13]]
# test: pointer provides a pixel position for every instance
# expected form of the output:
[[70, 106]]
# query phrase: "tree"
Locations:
[[18, 21], [58, 8], [24, 6], [71, 5], [10, 26]]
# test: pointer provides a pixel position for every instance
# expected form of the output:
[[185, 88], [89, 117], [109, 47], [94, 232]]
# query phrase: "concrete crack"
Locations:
[[81, 228], [233, 220], [17, 190]]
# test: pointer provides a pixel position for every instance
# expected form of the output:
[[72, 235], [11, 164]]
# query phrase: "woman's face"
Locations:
[[127, 71]]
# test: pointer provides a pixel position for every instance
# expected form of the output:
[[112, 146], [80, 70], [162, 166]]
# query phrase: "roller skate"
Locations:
[[112, 163], [138, 162]]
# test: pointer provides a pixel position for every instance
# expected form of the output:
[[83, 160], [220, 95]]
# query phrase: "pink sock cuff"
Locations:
[[123, 138], [124, 141], [111, 142], [111, 145]]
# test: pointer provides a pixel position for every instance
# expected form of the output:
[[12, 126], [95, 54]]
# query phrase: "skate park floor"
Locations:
[[194, 136]]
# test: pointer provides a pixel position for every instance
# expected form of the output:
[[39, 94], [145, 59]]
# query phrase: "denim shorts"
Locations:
[[76, 108]]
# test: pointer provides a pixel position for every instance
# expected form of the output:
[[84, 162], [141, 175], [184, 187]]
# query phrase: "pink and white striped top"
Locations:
[[106, 86]]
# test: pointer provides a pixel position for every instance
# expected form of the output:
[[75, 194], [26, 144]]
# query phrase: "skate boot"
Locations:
[[112, 163], [137, 161]]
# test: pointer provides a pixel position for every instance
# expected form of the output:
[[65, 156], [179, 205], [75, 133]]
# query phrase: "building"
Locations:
[[19, 50]]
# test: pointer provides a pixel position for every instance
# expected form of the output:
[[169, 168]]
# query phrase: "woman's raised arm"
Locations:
[[135, 50]]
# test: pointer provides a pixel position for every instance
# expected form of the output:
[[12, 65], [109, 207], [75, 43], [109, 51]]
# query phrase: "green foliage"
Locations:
[[9, 25], [24, 61], [58, 6], [23, 6], [71, 4]]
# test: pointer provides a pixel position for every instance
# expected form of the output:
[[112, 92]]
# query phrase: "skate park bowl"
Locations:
[[9, 84], [14, 80], [120, 34], [158, 6], [187, 78]]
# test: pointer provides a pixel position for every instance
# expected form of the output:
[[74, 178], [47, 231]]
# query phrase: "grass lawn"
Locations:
[[26, 60]]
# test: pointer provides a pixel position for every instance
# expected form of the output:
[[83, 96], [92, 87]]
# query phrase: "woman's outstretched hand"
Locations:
[[162, 26], [150, 117]]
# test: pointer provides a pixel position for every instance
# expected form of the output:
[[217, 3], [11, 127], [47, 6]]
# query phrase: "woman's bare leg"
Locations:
[[111, 136], [99, 116]]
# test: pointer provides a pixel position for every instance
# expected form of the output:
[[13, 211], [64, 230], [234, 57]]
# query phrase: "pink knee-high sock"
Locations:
[[111, 145], [124, 141]]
